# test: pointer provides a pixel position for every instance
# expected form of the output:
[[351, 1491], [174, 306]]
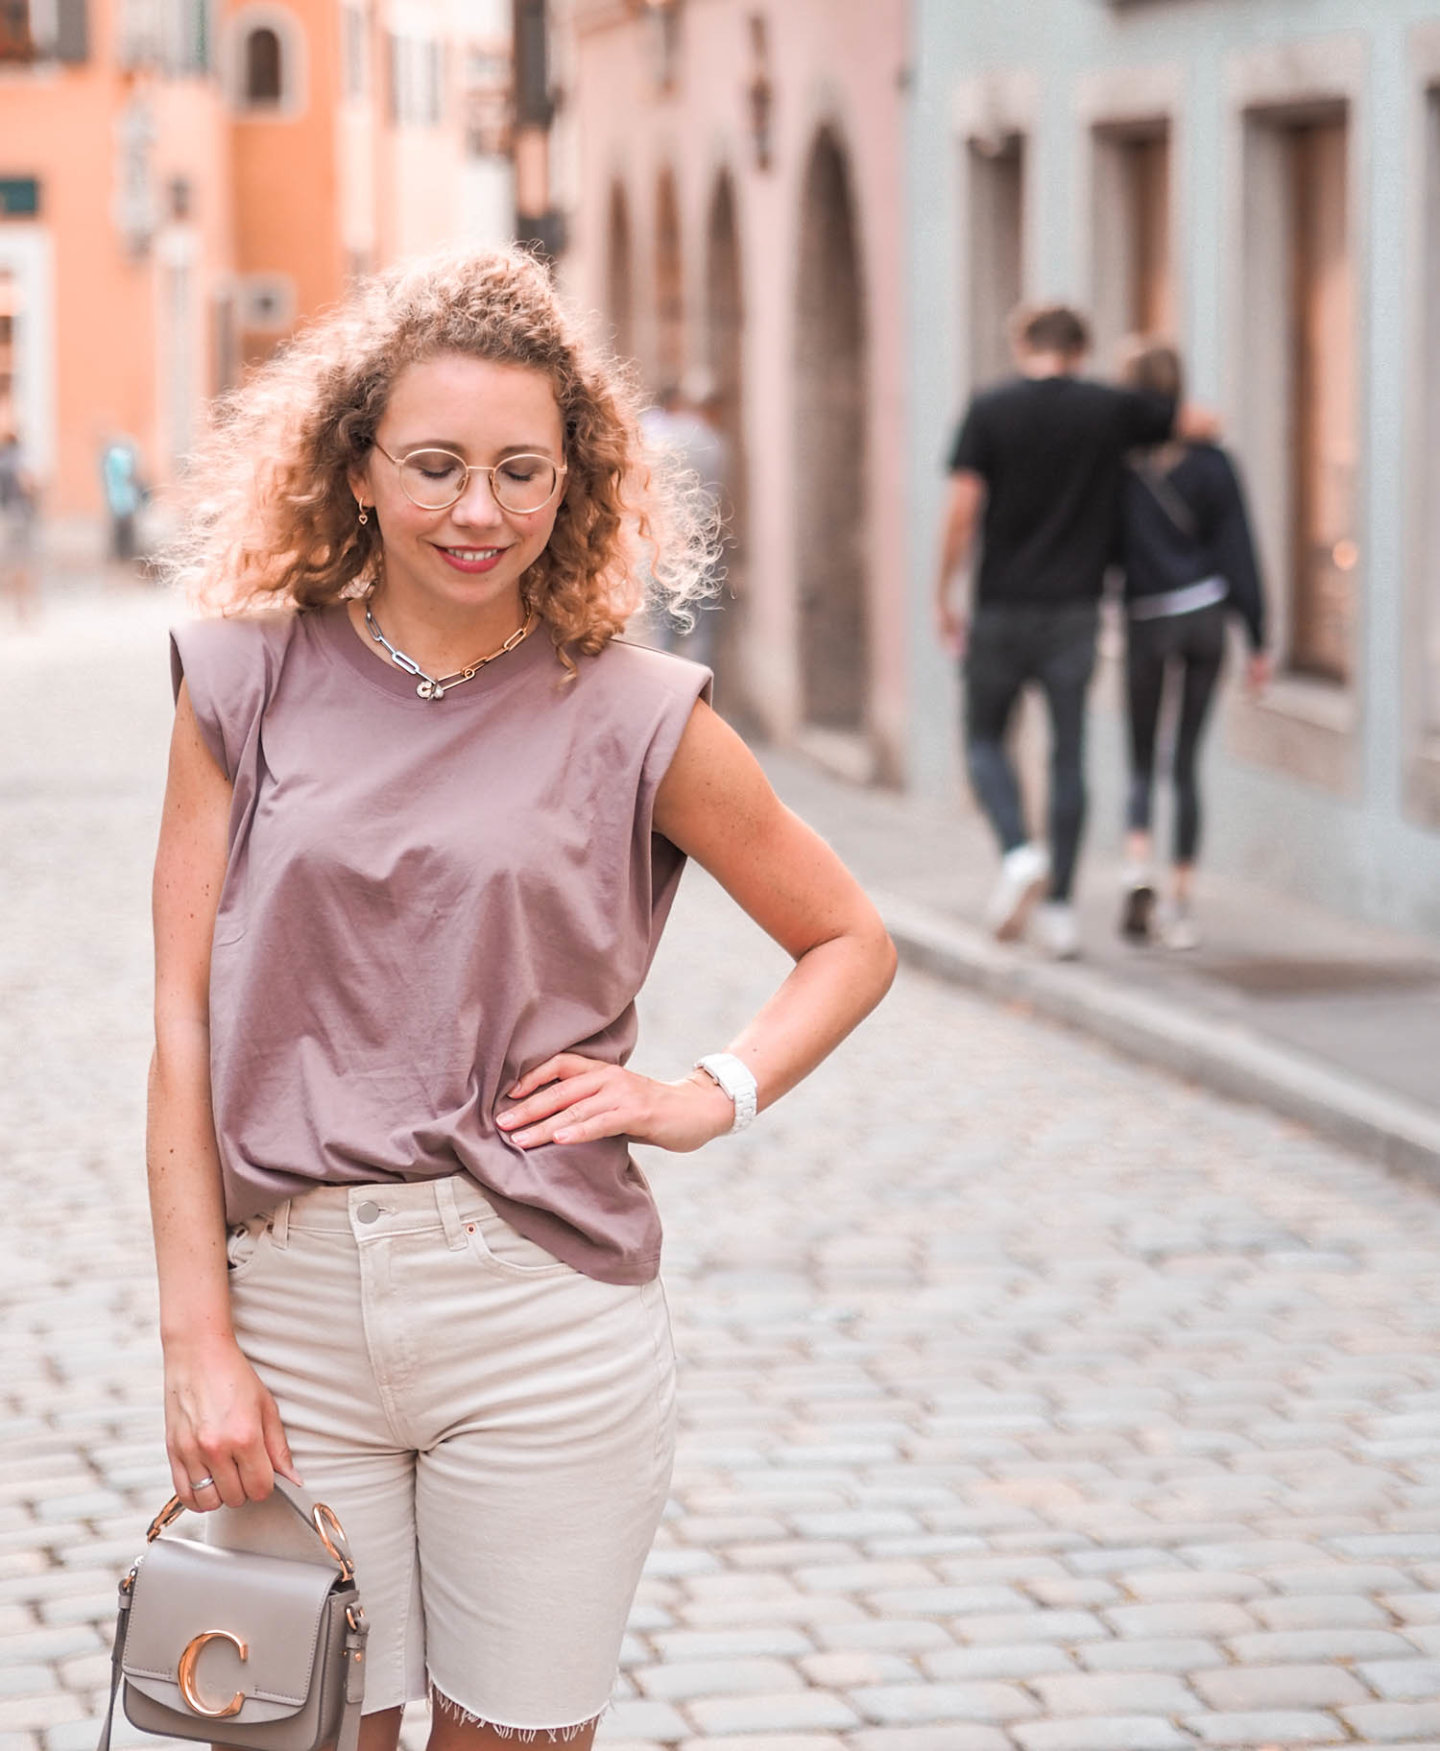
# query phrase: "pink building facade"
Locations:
[[731, 182], [181, 185]]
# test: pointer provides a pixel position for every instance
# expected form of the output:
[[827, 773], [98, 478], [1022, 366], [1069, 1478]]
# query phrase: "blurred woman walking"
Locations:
[[1189, 564]]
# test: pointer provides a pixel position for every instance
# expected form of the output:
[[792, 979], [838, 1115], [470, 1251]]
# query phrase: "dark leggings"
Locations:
[[1193, 645]]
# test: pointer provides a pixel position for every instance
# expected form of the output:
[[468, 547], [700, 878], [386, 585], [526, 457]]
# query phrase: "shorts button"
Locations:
[[367, 1212]]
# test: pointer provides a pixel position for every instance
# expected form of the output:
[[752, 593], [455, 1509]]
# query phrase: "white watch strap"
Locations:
[[737, 1080]]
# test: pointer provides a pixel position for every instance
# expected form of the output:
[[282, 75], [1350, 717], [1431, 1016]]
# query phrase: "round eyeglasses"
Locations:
[[436, 479]]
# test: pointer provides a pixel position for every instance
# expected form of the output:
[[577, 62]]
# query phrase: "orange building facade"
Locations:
[[182, 183]]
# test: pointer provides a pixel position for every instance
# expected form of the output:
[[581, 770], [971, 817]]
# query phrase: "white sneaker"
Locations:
[[1024, 873], [1178, 929], [1059, 931]]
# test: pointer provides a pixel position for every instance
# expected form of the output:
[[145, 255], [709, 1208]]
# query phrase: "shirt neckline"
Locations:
[[339, 636]]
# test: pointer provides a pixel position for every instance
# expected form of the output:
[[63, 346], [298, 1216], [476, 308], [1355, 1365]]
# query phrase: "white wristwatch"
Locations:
[[734, 1077]]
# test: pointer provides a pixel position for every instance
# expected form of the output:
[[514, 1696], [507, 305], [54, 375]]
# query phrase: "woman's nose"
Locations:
[[476, 505]]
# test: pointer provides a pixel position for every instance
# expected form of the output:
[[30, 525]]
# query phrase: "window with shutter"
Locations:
[[72, 31], [194, 36], [996, 168]]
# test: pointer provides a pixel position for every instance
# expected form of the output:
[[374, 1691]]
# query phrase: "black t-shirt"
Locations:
[[1051, 452]]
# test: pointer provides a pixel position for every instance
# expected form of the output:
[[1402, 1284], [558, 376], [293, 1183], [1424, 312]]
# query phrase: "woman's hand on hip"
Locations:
[[572, 1099], [221, 1424]]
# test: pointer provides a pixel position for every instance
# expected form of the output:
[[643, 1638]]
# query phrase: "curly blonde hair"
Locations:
[[269, 515]]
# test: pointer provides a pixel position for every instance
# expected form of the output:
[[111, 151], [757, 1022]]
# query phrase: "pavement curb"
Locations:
[[1233, 1060]]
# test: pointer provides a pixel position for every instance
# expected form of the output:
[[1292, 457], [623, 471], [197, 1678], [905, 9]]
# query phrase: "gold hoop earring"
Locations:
[[364, 511]]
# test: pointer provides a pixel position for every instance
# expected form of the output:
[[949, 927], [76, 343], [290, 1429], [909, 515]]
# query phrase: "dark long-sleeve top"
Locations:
[[1158, 554]]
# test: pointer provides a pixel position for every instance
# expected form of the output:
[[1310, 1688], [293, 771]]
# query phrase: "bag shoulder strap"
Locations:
[[1169, 498]]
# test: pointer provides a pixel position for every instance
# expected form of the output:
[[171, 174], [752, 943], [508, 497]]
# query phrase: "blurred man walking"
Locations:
[[1036, 467]]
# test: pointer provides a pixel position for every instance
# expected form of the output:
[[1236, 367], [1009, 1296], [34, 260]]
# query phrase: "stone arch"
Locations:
[[724, 355], [831, 463], [669, 283], [620, 272]]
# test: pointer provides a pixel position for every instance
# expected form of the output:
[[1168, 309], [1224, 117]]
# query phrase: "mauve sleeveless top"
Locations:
[[424, 899]]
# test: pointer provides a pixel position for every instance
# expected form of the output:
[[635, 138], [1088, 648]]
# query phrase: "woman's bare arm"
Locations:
[[716, 804], [219, 1420]]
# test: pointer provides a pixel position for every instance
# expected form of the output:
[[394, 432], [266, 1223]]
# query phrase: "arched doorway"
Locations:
[[669, 285], [724, 352], [831, 468], [619, 274]]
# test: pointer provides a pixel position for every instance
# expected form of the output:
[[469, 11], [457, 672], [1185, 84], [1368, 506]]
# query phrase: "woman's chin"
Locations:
[[436, 580]]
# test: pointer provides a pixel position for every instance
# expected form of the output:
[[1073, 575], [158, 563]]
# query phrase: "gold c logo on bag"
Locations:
[[186, 1674]]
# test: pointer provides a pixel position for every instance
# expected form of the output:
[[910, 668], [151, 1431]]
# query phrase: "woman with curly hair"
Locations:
[[425, 818]]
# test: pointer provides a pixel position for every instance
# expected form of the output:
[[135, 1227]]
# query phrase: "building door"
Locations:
[[831, 472], [669, 286], [27, 344], [1430, 539], [997, 233], [724, 325], [619, 274], [1322, 407], [9, 327], [1145, 162]]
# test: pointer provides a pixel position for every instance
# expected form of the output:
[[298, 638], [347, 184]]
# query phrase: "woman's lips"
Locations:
[[471, 559]]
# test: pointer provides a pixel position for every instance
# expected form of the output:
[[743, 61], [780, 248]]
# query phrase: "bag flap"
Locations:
[[270, 1528], [271, 1606]]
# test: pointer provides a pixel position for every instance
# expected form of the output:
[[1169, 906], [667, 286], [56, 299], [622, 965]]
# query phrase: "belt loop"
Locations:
[[449, 1213], [280, 1224]]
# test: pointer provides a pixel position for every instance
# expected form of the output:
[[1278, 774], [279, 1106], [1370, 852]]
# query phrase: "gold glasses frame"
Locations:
[[487, 469]]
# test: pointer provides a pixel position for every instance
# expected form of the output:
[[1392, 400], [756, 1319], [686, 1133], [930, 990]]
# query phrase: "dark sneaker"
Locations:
[[1137, 911]]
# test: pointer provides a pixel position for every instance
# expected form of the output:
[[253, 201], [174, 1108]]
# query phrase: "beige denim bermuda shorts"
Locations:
[[494, 1430]]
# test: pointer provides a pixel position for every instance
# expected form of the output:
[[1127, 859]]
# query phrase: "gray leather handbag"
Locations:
[[254, 1638]]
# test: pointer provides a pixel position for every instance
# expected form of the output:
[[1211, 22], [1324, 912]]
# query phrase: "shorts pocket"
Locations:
[[246, 1244], [494, 1242]]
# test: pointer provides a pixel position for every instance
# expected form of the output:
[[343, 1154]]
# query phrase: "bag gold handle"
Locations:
[[321, 1518]]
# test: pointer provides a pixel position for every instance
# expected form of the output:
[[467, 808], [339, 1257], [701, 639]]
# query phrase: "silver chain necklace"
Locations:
[[435, 686]]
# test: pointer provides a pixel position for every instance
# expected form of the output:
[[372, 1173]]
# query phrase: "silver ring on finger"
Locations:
[[204, 1483]]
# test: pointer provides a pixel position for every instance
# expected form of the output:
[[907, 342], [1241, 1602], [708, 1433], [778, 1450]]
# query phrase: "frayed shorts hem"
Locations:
[[504, 1730]]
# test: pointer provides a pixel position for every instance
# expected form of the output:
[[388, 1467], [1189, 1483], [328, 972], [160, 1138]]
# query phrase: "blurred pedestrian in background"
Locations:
[[685, 425], [1189, 564], [19, 512], [124, 494], [1041, 459]]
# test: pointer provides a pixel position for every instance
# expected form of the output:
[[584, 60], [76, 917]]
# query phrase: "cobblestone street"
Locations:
[[1032, 1400]]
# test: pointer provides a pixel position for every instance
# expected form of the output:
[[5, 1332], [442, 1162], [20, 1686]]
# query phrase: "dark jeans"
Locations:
[[1193, 645], [122, 538], [1055, 648]]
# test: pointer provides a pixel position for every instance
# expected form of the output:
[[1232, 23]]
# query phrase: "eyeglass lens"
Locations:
[[435, 480]]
